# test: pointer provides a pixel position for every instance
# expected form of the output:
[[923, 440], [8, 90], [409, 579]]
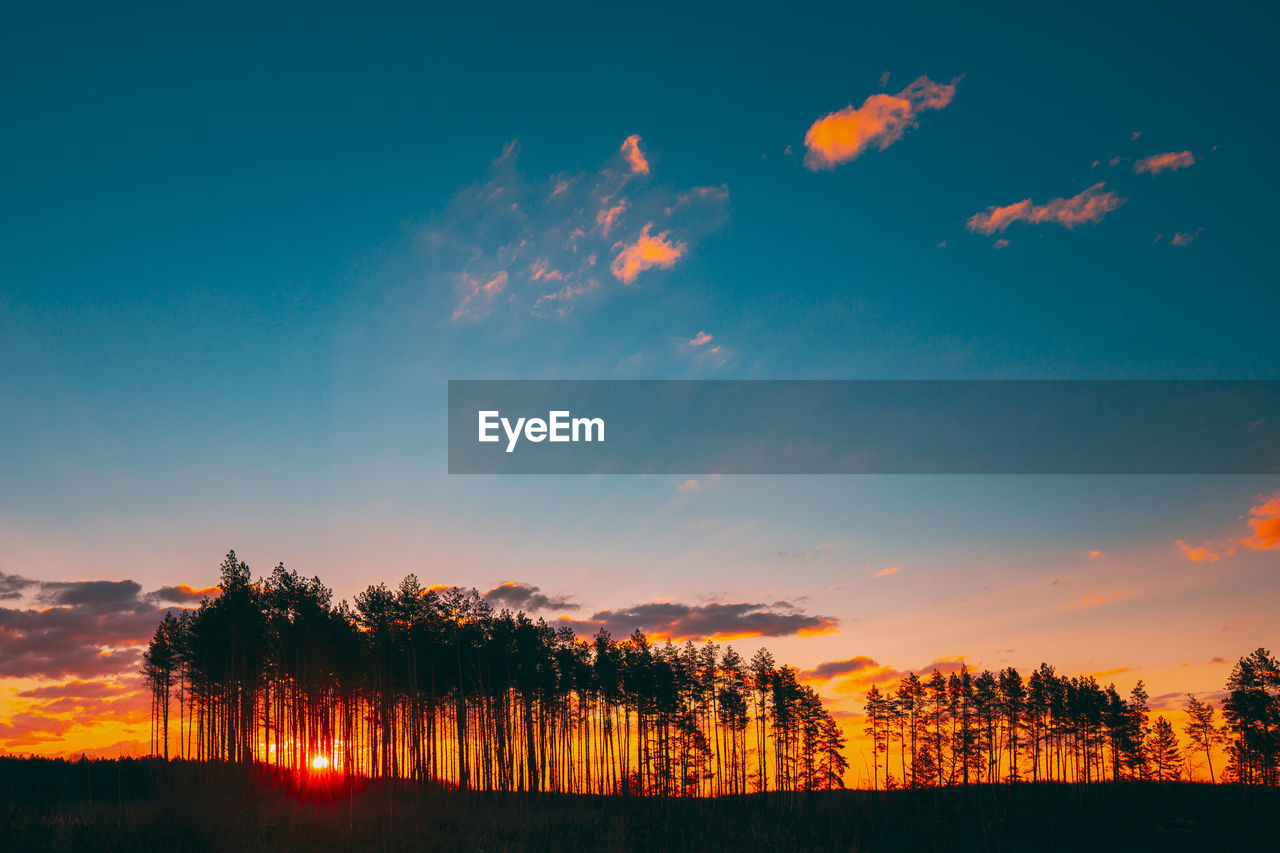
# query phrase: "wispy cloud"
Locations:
[[1089, 205], [844, 135], [516, 244], [1157, 163], [634, 156], [884, 573], [1199, 553]]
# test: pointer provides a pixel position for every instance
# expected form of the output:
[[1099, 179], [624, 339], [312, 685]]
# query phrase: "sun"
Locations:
[[320, 762]]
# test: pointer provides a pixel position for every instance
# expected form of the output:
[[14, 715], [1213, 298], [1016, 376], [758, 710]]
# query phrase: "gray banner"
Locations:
[[864, 427]]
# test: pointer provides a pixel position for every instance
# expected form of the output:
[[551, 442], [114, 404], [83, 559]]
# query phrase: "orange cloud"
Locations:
[[540, 270], [1201, 554], [1089, 205], [1265, 524], [844, 135], [474, 292], [1157, 163], [647, 252], [635, 157], [699, 339], [609, 215]]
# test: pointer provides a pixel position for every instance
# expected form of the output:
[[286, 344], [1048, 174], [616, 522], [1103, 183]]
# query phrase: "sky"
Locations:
[[243, 251]]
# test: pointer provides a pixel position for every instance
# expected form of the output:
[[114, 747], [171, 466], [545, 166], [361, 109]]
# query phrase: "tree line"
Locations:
[[434, 685], [965, 728]]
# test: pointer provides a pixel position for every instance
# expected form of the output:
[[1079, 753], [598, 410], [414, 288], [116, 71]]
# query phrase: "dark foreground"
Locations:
[[147, 806]]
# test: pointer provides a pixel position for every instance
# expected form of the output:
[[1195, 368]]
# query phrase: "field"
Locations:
[[132, 805]]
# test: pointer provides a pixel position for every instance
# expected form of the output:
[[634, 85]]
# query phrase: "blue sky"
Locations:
[[232, 245]]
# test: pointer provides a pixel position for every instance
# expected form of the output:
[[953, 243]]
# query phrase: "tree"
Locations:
[[1201, 729], [1162, 748]]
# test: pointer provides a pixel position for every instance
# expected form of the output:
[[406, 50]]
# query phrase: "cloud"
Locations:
[[1157, 163], [1095, 555], [844, 135], [14, 586], [688, 486], [1199, 554], [831, 669], [474, 293], [183, 594], [699, 339], [81, 629], [1265, 524], [722, 621], [47, 714], [514, 244], [529, 598], [1089, 205], [1182, 238], [634, 156], [646, 253], [1001, 244], [884, 573]]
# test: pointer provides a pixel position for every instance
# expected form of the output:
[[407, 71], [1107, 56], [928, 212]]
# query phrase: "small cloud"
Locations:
[[884, 573], [1135, 136], [700, 339], [884, 79], [645, 253], [1096, 555], [941, 245], [1089, 205], [846, 134], [831, 669], [1217, 660], [688, 486], [1182, 238], [1059, 582], [526, 597], [722, 621], [1198, 554], [1001, 243], [1157, 163], [184, 594], [634, 156]]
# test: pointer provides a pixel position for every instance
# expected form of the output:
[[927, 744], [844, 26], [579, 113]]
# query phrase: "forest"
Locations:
[[964, 729], [431, 685]]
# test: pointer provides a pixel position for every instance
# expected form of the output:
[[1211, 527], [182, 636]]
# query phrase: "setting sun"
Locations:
[[320, 762]]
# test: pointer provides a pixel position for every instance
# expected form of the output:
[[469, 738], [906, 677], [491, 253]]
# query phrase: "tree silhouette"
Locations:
[[433, 685]]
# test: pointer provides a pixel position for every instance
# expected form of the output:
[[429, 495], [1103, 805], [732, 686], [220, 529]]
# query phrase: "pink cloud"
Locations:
[[844, 135], [1157, 163], [1089, 205], [699, 339], [688, 486]]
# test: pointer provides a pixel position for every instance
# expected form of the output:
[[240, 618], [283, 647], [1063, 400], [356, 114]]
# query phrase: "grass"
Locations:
[[138, 805]]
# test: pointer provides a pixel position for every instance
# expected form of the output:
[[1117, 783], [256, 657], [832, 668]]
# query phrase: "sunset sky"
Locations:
[[243, 254]]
